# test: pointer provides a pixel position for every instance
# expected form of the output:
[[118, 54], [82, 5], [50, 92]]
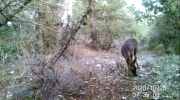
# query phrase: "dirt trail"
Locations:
[[102, 72]]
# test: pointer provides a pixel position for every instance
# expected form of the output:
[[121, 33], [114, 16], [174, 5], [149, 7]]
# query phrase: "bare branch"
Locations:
[[9, 17], [68, 40]]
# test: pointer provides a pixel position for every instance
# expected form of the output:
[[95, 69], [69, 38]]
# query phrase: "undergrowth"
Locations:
[[162, 81]]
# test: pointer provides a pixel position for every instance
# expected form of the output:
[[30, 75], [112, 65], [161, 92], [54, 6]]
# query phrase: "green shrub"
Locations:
[[169, 40]]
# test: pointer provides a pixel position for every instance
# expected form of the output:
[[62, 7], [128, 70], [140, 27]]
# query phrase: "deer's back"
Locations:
[[128, 47]]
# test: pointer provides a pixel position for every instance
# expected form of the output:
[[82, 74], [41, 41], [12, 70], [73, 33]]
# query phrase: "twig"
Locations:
[[37, 74], [35, 23]]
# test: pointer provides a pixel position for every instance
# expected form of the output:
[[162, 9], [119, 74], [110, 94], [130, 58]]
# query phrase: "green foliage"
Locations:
[[5, 79], [71, 69], [8, 44], [9, 9], [109, 20], [165, 15], [20, 38], [14, 44], [77, 9], [168, 75], [140, 29]]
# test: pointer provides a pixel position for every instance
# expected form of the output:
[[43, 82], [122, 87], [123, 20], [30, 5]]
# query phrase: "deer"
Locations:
[[129, 50]]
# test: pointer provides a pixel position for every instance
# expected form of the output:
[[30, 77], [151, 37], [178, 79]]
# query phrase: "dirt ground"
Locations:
[[91, 74], [103, 73]]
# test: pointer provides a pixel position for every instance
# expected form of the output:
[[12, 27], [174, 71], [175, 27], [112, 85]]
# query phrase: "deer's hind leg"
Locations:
[[135, 58]]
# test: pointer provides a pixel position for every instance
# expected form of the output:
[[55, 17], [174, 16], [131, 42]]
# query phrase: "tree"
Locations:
[[108, 20], [94, 38], [9, 9], [45, 28], [27, 22], [165, 15]]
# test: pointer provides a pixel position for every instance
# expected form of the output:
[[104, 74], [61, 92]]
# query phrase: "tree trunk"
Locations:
[[94, 38]]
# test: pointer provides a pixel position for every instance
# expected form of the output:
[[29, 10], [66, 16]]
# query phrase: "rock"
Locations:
[[124, 98], [98, 65], [86, 82], [82, 92], [11, 72], [106, 88]]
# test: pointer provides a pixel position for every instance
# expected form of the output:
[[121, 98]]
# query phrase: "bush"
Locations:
[[48, 86], [171, 43]]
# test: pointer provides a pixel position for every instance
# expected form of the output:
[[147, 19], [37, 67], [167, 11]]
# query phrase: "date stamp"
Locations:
[[148, 91], [149, 87]]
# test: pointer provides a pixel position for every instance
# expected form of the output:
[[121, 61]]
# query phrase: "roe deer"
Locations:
[[129, 49]]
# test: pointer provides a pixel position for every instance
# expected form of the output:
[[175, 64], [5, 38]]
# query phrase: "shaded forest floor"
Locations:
[[102, 74]]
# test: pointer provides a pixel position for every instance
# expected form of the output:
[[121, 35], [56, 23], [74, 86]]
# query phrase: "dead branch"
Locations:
[[73, 33]]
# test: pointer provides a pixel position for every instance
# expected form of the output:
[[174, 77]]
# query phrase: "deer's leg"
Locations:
[[135, 57], [128, 64], [131, 57], [135, 50]]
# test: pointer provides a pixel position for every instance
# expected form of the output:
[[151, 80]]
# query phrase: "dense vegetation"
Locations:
[[165, 18], [30, 30]]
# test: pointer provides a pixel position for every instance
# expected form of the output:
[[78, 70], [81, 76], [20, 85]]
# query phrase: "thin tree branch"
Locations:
[[68, 41], [37, 74], [35, 23], [9, 17]]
